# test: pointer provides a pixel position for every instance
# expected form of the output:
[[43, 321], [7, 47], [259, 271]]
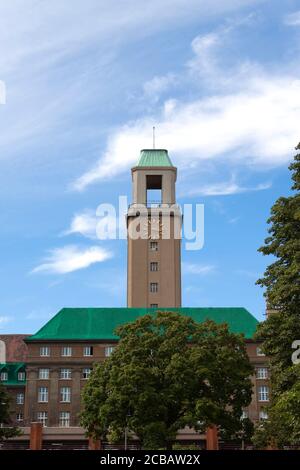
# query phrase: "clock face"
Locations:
[[152, 229]]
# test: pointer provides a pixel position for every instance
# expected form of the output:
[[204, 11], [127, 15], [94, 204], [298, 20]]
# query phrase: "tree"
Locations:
[[7, 430], [283, 425], [166, 373], [282, 290]]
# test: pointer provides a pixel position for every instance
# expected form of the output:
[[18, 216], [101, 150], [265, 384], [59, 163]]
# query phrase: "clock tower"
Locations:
[[154, 234]]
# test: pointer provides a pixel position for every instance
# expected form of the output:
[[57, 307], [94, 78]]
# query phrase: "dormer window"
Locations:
[[21, 376], [4, 376]]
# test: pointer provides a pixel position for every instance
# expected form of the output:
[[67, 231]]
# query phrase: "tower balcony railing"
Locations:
[[154, 204]]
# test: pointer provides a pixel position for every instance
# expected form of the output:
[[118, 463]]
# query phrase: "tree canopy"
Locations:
[[166, 373], [282, 290], [6, 430]]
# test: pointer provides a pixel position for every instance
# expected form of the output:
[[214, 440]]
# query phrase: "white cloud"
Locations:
[[233, 220], [84, 223], [256, 126], [42, 45], [226, 189], [71, 258], [198, 269], [203, 48], [5, 320], [247, 117], [157, 85], [293, 19], [2, 92], [89, 225]]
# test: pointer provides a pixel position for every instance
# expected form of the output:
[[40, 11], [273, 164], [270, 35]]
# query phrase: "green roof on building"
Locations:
[[154, 157], [12, 369], [100, 323]]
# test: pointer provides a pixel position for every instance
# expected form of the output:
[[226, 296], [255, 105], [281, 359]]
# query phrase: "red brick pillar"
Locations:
[[36, 436], [94, 445], [212, 442]]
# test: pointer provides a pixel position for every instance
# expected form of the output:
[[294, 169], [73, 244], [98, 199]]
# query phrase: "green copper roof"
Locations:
[[154, 157], [100, 323], [12, 369]]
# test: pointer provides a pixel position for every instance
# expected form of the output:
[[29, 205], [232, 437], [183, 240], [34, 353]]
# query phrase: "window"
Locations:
[[43, 395], [109, 350], [86, 372], [66, 351], [153, 305], [4, 376], [19, 417], [259, 352], [153, 287], [44, 351], [20, 398], [263, 415], [88, 351], [261, 373], [65, 394], [263, 393], [154, 246], [64, 419], [42, 417], [244, 414], [153, 266], [44, 374], [21, 376], [65, 374]]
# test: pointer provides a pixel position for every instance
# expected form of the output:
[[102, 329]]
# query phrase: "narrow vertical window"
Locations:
[[44, 351], [43, 395], [64, 419], [20, 398], [88, 351], [153, 266], [263, 393], [66, 351], [154, 246], [86, 372], [65, 374], [42, 417], [153, 287], [109, 350], [65, 394], [43, 374], [261, 373]]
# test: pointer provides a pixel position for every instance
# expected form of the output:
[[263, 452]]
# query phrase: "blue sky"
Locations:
[[83, 84]]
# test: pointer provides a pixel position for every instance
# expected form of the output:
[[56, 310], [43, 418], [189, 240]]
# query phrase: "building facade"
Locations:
[[61, 355], [46, 372]]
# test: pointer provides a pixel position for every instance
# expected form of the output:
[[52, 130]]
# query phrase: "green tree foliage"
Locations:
[[6, 430], [168, 372], [282, 290], [283, 426]]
